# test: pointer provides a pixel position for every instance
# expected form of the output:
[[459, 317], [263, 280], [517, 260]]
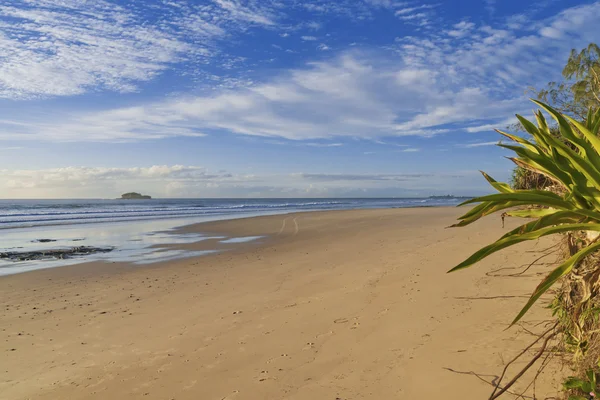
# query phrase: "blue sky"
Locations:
[[270, 98]]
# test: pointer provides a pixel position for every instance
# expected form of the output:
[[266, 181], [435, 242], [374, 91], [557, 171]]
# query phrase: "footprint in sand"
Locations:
[[309, 345], [274, 359], [264, 375], [231, 396], [324, 334], [190, 385], [340, 321]]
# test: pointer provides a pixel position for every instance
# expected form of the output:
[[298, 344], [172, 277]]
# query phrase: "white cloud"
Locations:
[[59, 52], [239, 12], [159, 181], [367, 177], [461, 29], [104, 182], [420, 15], [347, 96], [308, 38], [119, 125], [409, 10], [436, 83], [68, 47], [481, 144], [415, 77], [315, 26], [516, 21], [194, 181], [381, 3], [502, 125], [551, 32], [323, 47], [56, 176], [323, 144], [390, 144], [492, 66], [410, 150], [482, 128], [410, 17], [490, 6]]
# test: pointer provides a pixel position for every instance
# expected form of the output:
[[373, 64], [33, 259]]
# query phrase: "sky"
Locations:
[[271, 98]]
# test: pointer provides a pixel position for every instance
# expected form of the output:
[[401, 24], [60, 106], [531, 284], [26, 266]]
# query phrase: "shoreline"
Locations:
[[348, 304], [65, 212], [209, 218], [170, 228]]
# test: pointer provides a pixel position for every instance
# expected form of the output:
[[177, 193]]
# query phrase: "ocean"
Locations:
[[140, 231], [31, 213]]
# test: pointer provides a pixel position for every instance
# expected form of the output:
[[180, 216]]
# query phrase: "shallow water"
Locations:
[[241, 239], [136, 230], [137, 242]]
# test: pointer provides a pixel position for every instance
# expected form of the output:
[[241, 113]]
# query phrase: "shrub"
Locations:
[[571, 161]]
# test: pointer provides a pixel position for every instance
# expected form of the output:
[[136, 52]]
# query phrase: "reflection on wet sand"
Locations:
[[140, 242]]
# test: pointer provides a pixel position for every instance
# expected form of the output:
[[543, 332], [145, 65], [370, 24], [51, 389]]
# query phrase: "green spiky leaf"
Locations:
[[554, 276], [570, 158]]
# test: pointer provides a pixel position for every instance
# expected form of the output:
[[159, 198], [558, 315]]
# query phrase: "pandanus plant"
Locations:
[[571, 159]]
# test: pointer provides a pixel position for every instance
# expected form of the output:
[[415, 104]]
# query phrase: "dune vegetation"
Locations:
[[556, 188]]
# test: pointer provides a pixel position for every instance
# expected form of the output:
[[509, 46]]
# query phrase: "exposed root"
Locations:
[[547, 335], [536, 262], [481, 378]]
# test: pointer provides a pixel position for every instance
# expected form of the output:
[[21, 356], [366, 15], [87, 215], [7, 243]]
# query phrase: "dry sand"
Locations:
[[332, 305]]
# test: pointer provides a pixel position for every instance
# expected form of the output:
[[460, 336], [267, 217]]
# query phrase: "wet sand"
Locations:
[[328, 305]]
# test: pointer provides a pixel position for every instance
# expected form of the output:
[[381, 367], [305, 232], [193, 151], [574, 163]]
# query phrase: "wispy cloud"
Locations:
[[68, 47], [252, 14], [323, 144], [390, 144], [366, 177], [410, 150], [194, 181], [347, 96], [461, 29], [313, 25], [420, 19], [432, 84], [54, 176], [161, 180], [490, 6], [502, 125], [481, 144], [308, 38], [419, 15], [411, 10]]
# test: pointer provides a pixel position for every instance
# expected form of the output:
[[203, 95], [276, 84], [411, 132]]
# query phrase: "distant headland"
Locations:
[[135, 196]]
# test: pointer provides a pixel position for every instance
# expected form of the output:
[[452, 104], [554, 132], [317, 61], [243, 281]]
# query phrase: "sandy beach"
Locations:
[[327, 305]]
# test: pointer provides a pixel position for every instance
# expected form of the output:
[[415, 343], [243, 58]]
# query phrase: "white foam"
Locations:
[[241, 239]]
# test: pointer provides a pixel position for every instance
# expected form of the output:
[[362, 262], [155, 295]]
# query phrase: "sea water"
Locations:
[[136, 229]]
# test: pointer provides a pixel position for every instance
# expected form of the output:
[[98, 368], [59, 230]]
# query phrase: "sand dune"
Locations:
[[329, 305]]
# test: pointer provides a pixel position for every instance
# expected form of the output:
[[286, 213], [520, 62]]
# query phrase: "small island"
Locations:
[[135, 196]]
